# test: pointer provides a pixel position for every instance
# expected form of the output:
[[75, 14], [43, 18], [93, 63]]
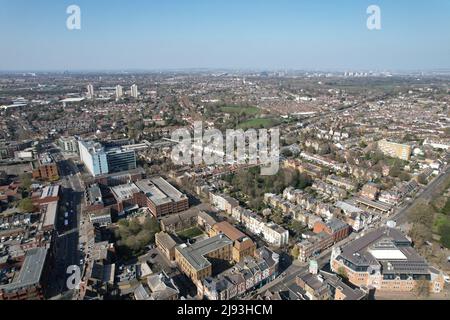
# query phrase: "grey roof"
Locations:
[[336, 224], [385, 238], [162, 286], [124, 191], [195, 254], [159, 191], [94, 193], [373, 204], [349, 292], [312, 281], [31, 271], [180, 217]]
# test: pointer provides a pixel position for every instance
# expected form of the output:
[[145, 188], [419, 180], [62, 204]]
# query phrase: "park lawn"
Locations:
[[239, 110], [257, 123], [190, 233]]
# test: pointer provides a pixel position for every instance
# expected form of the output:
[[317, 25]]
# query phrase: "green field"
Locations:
[[240, 110], [190, 233], [257, 123]]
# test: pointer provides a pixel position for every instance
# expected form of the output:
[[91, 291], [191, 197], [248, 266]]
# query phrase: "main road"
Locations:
[[67, 238]]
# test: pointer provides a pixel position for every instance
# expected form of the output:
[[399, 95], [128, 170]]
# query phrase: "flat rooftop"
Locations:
[[72, 100], [31, 271], [93, 147], [195, 254], [159, 191], [50, 191], [124, 191], [50, 214]]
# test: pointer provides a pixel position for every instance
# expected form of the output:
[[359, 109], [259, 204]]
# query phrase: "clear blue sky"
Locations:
[[265, 34]]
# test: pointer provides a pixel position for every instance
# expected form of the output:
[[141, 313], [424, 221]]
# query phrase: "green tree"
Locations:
[[422, 179], [446, 209], [395, 171], [151, 224], [422, 213], [444, 232], [134, 226], [25, 180], [420, 234], [297, 227], [26, 205], [404, 176]]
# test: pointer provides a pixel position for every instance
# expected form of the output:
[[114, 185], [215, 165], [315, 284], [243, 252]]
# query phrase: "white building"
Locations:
[[93, 155], [437, 144], [119, 92], [270, 232], [68, 144], [90, 91], [134, 91]]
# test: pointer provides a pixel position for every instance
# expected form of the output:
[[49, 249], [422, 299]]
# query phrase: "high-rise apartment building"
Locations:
[[90, 91], [134, 91], [395, 150], [119, 92]]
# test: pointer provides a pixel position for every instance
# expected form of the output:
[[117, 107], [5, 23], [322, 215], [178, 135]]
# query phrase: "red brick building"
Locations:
[[335, 227]]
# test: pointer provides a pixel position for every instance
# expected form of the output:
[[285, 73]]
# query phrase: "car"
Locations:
[[153, 256]]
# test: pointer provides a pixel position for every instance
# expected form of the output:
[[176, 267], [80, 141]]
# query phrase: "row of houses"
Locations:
[[269, 231], [250, 273], [329, 189], [341, 182], [300, 202], [15, 221], [396, 195]]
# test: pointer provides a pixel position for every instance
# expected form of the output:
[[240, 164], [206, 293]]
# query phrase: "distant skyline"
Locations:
[[120, 35]]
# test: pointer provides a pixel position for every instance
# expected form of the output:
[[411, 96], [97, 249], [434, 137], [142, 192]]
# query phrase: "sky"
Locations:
[[230, 34]]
